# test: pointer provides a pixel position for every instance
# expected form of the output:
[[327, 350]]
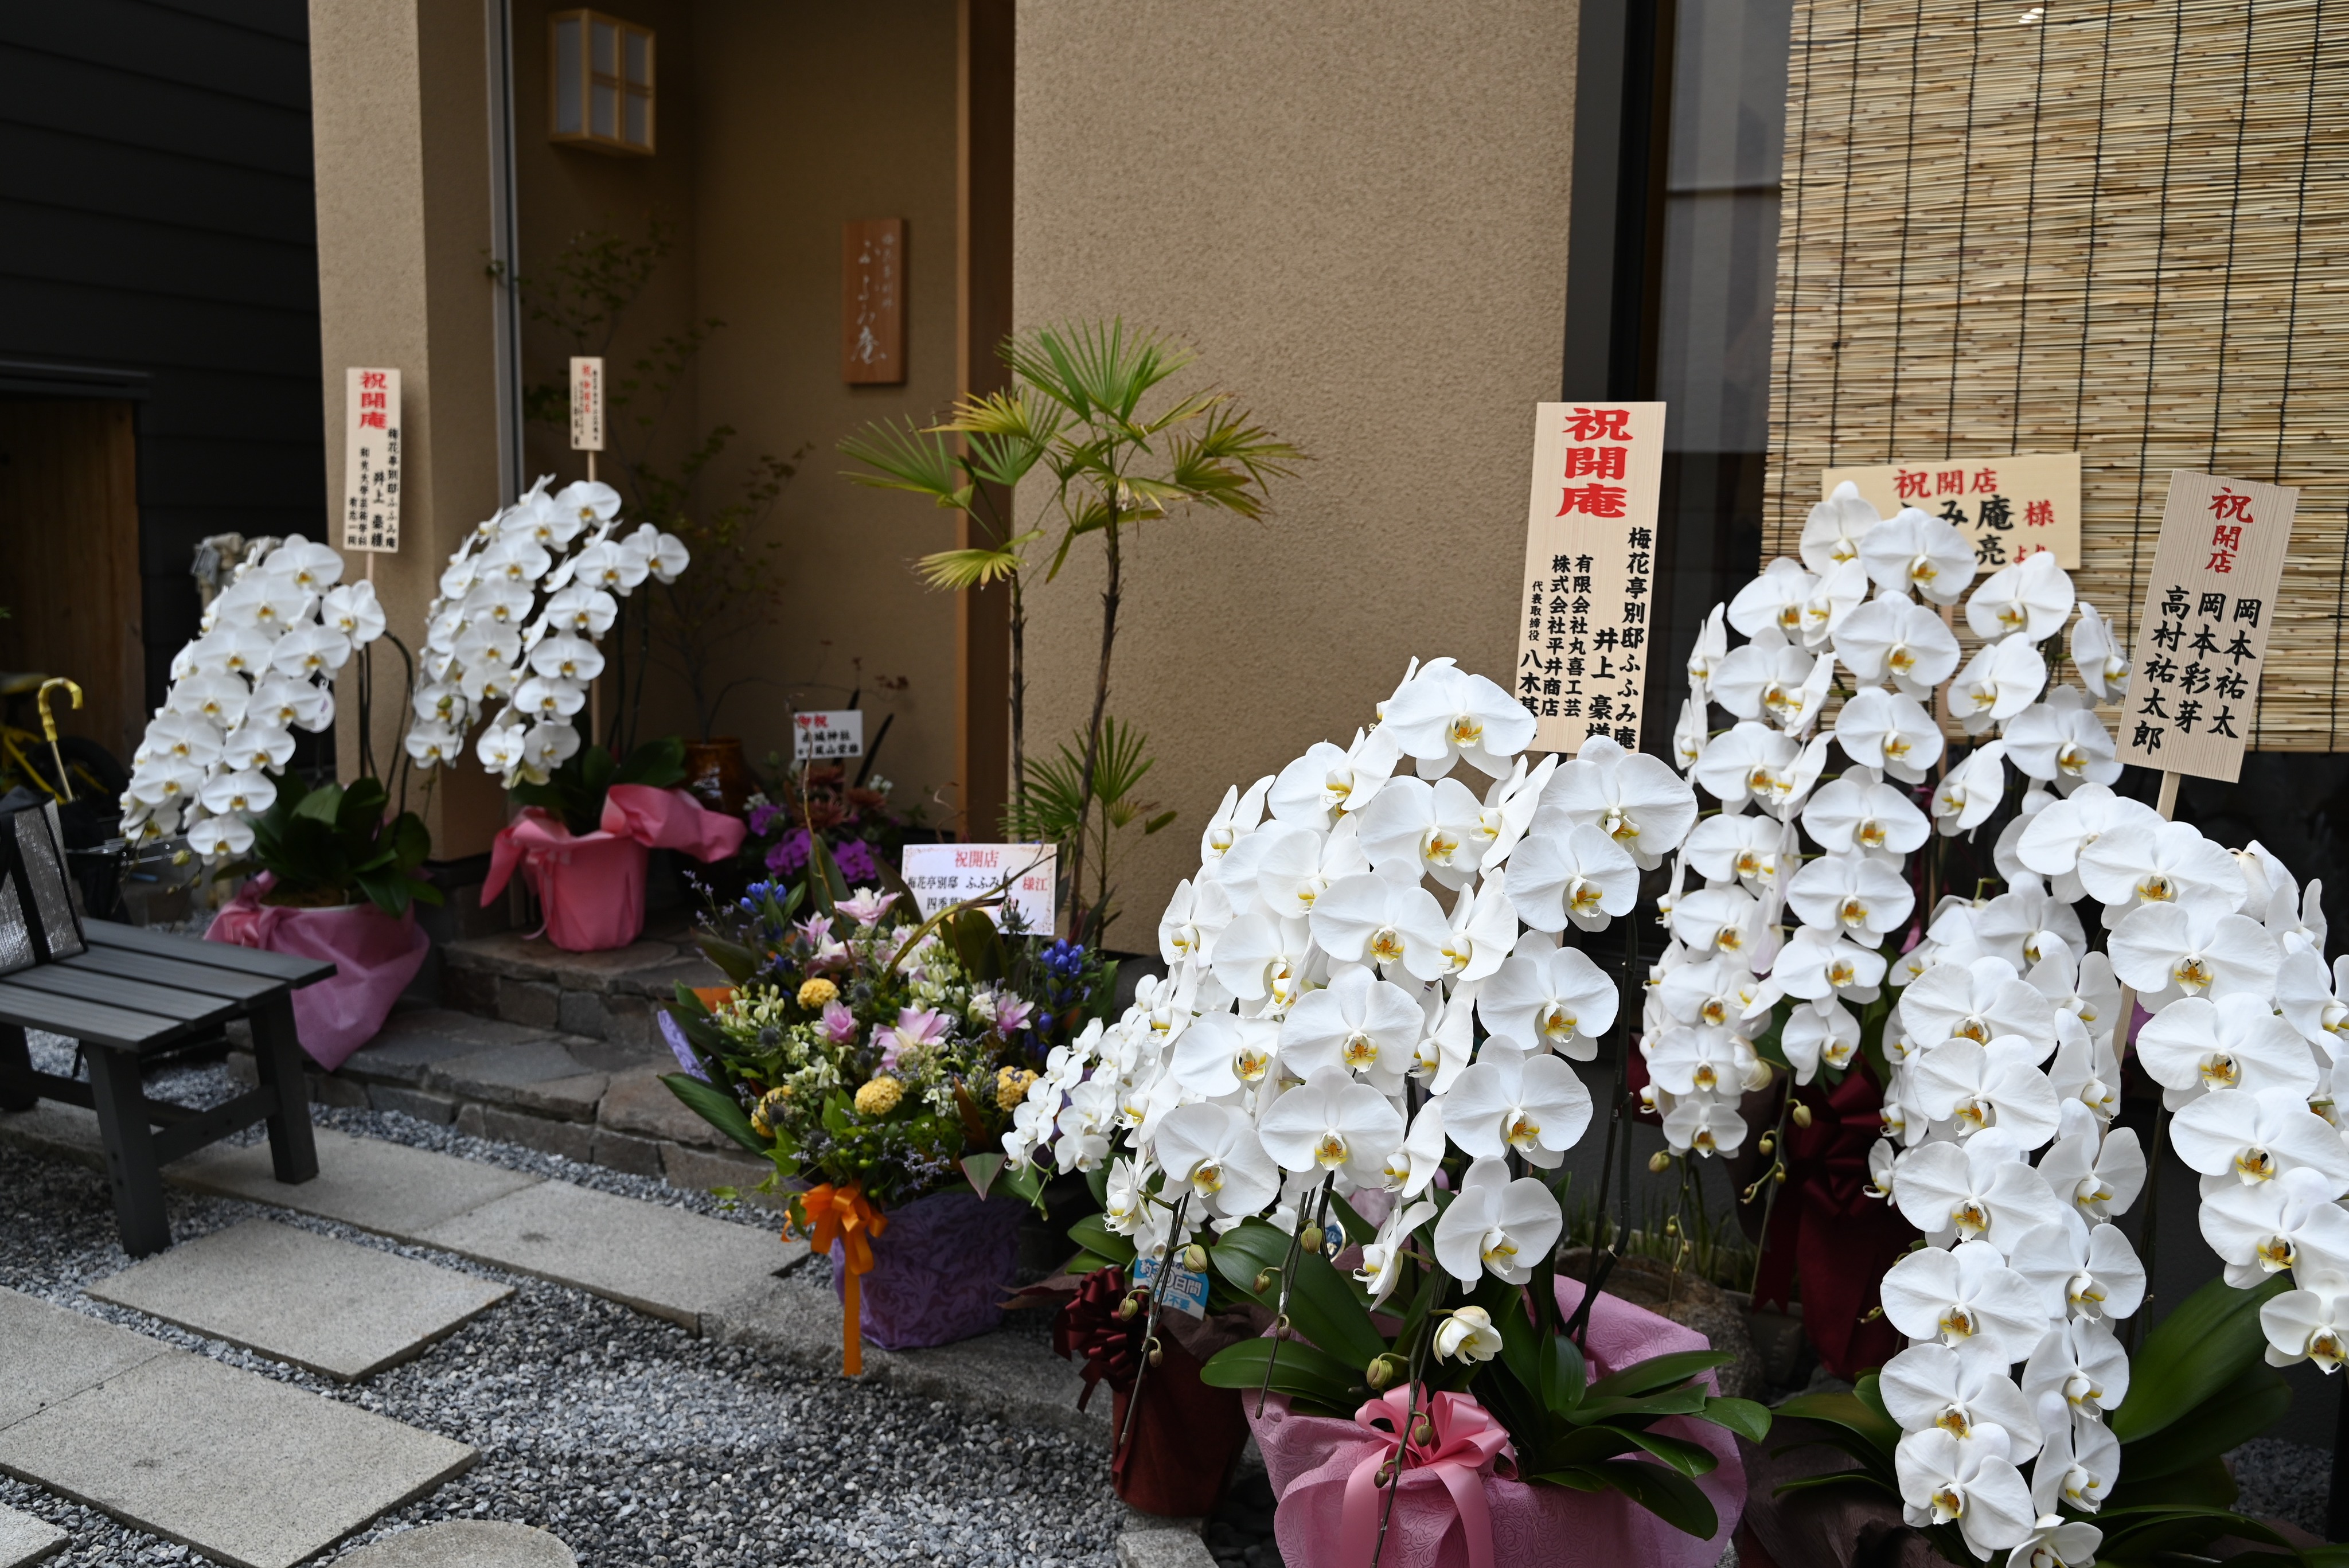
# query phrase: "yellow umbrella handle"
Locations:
[[49, 728]]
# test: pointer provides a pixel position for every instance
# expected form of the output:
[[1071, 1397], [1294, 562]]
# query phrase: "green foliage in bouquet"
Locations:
[[862, 1045], [331, 844], [2197, 1387], [575, 792]]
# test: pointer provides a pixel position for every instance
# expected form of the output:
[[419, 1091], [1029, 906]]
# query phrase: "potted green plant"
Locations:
[[332, 874]]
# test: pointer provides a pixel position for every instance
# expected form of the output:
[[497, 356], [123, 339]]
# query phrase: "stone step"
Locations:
[[464, 1544], [25, 1539], [247, 1470], [589, 1099], [608, 995], [342, 1310]]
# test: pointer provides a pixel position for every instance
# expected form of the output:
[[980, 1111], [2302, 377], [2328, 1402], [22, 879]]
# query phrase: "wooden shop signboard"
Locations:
[[2009, 507]]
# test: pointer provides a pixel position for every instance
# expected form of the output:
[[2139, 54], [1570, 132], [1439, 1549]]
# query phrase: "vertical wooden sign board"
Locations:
[[1590, 571], [2202, 633], [371, 461], [586, 404], [873, 303], [2009, 508]]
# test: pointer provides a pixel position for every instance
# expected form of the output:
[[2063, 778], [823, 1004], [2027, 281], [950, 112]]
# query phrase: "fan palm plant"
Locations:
[[1072, 414]]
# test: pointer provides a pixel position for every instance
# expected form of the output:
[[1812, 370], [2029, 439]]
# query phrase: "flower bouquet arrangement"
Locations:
[[1348, 1106], [880, 1057], [1833, 921], [512, 634]]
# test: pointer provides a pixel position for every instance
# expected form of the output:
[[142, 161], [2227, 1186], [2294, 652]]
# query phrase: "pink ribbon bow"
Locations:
[[1463, 1442], [593, 887]]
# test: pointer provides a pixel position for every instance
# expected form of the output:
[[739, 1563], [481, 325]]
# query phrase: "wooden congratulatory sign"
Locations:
[[943, 875], [371, 461], [2202, 634], [586, 404], [2007, 508], [873, 303], [1590, 571], [820, 734]]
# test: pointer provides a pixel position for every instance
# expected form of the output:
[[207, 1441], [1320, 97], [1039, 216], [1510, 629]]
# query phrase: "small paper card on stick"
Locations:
[[819, 735], [2202, 632], [1590, 571], [371, 461], [586, 404], [2007, 508], [944, 875]]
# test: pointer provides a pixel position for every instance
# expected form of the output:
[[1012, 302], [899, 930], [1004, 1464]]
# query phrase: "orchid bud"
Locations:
[[1310, 1238], [1423, 1431], [1383, 1370], [1194, 1258], [1264, 1280], [1660, 1162], [1129, 1307], [1769, 1143], [1157, 1354], [1802, 1113]]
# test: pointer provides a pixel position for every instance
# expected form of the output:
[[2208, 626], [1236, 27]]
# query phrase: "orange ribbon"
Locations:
[[842, 1214]]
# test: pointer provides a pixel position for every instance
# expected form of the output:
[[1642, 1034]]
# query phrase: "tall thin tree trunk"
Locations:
[[1092, 731], [1019, 699]]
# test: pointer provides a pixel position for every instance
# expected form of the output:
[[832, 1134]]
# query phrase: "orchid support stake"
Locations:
[[1280, 1312], [1410, 1414], [1150, 1323]]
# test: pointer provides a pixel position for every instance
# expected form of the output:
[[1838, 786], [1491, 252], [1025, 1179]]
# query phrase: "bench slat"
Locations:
[[194, 950], [131, 996], [204, 979], [91, 1022]]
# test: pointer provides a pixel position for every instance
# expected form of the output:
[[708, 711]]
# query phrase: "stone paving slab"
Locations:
[[341, 1311], [413, 1042], [54, 1130], [464, 1544], [256, 1473], [386, 1187], [25, 1539], [53, 1354], [670, 1262], [638, 1102], [537, 1075]]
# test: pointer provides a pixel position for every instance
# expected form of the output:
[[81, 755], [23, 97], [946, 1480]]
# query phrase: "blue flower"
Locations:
[[1065, 959]]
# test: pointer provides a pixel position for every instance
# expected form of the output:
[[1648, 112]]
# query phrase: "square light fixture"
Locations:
[[603, 83]]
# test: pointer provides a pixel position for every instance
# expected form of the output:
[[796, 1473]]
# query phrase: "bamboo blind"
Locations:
[[2118, 230]]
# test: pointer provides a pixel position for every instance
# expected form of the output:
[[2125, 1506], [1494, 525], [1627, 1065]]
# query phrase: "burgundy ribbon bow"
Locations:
[[1089, 1328]]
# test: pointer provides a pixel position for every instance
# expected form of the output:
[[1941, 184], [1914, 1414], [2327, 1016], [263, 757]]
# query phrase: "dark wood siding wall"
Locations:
[[159, 233]]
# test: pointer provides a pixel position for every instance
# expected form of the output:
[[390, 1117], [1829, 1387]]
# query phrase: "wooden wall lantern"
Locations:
[[602, 85]]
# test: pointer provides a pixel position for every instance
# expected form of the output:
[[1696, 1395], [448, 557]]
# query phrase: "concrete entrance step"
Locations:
[[24, 1539], [464, 1544], [250, 1471], [607, 996], [342, 1310]]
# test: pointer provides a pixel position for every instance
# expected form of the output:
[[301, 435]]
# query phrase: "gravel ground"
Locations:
[[632, 1440], [2290, 1481]]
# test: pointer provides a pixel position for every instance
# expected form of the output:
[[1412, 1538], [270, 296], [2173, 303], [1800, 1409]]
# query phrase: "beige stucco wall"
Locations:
[[1358, 214], [810, 115], [401, 128]]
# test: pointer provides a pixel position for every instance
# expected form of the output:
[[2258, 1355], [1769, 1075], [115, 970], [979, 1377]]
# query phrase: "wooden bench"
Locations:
[[129, 993]]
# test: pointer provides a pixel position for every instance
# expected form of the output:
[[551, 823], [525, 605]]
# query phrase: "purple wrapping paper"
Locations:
[[940, 1271]]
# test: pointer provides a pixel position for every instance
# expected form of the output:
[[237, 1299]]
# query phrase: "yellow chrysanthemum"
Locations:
[[815, 992], [769, 1111], [879, 1097], [1011, 1086]]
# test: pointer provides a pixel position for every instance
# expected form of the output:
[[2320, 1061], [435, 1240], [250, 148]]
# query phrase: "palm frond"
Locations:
[[1227, 461], [955, 570], [907, 457]]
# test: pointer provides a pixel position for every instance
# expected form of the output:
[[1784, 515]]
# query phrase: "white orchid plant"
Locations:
[[513, 633], [1815, 929], [1376, 990], [262, 667]]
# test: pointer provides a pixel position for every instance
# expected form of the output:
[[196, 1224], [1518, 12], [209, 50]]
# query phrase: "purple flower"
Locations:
[[762, 818], [790, 852], [855, 858], [915, 1026], [1013, 1013], [868, 905], [814, 931], [838, 1022]]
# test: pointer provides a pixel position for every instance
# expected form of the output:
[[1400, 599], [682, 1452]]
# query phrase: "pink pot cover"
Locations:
[[940, 1271], [592, 888], [374, 955], [1309, 1458]]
